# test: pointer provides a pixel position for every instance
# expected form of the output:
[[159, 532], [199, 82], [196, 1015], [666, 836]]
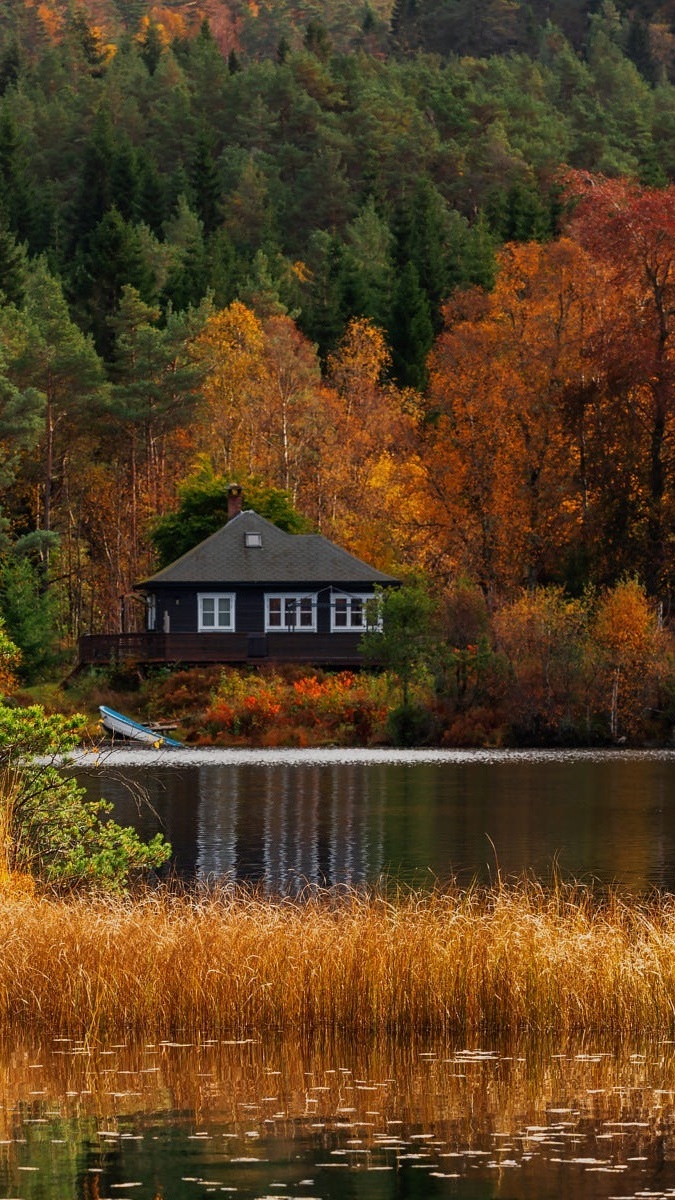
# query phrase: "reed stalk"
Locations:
[[230, 963]]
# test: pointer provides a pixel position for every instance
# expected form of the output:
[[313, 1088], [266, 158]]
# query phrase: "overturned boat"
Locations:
[[125, 727]]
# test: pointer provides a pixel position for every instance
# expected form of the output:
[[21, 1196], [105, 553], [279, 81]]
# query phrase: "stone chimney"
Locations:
[[234, 500]]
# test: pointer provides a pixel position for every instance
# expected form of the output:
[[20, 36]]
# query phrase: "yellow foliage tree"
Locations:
[[346, 451], [230, 348], [632, 652], [372, 480]]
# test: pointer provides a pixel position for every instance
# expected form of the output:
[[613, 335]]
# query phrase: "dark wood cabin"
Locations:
[[250, 593]]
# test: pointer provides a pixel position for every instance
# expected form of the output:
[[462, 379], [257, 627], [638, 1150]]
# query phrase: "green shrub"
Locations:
[[412, 725], [48, 830]]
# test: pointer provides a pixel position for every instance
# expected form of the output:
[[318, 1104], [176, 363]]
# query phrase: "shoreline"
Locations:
[[135, 755]]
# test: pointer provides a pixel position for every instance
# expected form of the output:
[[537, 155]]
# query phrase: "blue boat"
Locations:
[[120, 726]]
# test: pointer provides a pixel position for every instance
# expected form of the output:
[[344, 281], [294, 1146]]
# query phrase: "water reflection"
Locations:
[[256, 1119], [299, 825], [288, 821], [283, 829]]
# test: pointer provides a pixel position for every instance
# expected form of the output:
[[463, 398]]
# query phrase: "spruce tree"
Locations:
[[206, 188], [152, 47], [411, 330]]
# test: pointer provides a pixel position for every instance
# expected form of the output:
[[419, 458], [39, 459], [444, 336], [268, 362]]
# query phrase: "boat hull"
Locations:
[[125, 727]]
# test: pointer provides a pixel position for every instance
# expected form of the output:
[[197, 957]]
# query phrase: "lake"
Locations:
[[268, 1117], [285, 819], [255, 1120]]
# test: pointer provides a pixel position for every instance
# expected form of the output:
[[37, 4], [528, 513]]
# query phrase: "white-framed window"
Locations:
[[354, 613], [215, 612], [290, 612]]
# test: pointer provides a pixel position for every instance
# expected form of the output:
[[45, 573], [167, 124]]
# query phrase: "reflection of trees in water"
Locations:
[[291, 826], [89, 1120], [282, 825]]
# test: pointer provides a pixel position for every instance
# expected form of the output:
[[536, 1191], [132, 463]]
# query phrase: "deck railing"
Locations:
[[101, 649]]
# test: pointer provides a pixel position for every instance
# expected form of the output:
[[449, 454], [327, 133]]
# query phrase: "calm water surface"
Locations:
[[260, 1119], [284, 819], [256, 1120]]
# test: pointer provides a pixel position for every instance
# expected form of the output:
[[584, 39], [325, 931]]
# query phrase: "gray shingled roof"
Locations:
[[283, 557]]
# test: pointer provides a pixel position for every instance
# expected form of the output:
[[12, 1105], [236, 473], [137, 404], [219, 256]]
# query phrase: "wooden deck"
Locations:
[[192, 649]]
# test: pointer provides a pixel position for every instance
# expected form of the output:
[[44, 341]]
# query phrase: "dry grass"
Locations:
[[230, 963]]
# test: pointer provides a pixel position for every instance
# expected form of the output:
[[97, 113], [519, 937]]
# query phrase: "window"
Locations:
[[353, 613], [215, 612], [254, 539], [290, 613]]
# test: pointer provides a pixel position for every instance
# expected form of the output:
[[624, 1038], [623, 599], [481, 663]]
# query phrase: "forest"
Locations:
[[409, 270]]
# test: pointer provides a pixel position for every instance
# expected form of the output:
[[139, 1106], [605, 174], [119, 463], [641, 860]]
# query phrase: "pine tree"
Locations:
[[95, 192], [113, 258], [188, 277], [16, 201], [57, 359], [151, 197], [411, 330], [317, 41], [323, 315], [422, 234], [206, 188], [152, 47], [12, 267], [11, 62], [368, 266]]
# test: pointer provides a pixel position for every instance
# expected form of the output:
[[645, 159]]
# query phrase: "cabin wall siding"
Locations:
[[181, 605]]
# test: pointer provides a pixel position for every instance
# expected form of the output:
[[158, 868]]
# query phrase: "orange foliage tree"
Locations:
[[291, 410], [502, 460], [543, 635], [230, 351], [372, 497], [630, 230], [261, 390]]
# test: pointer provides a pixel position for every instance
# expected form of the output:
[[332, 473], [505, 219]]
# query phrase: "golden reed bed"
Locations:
[[480, 962]]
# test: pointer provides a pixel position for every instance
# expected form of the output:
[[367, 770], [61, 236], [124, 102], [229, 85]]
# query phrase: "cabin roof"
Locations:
[[228, 557]]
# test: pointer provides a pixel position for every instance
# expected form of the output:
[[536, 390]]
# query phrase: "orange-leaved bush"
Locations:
[[313, 708]]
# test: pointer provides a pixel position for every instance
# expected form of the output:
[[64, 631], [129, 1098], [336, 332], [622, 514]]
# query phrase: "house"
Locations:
[[251, 593]]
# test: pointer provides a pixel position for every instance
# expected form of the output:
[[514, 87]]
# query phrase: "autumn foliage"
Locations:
[[313, 709], [457, 370], [538, 466], [541, 669]]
